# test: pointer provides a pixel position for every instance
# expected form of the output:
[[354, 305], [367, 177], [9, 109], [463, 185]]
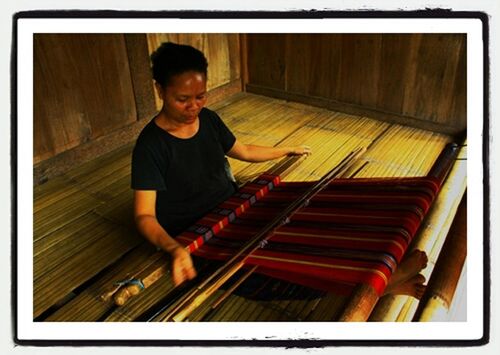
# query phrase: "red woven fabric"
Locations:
[[354, 231]]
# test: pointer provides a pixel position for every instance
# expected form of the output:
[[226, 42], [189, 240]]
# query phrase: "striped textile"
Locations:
[[353, 231], [196, 235]]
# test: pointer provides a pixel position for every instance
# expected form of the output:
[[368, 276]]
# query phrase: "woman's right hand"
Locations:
[[182, 266]]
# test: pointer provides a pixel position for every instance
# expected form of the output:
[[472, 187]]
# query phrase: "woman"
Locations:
[[179, 170]]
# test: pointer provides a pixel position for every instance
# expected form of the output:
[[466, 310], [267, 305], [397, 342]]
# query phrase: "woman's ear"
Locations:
[[159, 90]]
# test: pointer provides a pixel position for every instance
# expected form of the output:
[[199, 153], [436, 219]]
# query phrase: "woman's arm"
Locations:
[[150, 228], [256, 153]]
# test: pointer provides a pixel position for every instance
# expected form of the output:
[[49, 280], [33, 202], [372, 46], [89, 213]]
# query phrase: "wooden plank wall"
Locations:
[[414, 79], [82, 90], [93, 93]]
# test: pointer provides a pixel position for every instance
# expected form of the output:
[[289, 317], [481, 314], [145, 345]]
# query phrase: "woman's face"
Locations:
[[184, 97]]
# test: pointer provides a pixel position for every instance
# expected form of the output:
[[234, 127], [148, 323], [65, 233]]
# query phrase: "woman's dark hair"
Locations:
[[171, 59]]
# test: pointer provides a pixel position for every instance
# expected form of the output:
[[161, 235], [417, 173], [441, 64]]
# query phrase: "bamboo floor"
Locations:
[[85, 239]]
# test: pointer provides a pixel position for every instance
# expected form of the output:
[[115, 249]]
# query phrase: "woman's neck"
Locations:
[[175, 128]]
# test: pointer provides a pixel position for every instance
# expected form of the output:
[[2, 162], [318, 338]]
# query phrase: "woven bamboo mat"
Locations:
[[78, 229], [97, 205]]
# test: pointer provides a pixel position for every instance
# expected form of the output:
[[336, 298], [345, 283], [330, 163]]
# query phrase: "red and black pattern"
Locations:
[[212, 223], [353, 231]]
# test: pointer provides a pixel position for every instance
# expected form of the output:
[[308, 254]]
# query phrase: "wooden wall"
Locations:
[[416, 79], [94, 92], [82, 90]]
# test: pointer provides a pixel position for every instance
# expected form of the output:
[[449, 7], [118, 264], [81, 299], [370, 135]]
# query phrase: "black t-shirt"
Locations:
[[189, 175]]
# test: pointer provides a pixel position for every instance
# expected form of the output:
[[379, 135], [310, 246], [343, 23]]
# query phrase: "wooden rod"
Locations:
[[230, 290], [444, 162]]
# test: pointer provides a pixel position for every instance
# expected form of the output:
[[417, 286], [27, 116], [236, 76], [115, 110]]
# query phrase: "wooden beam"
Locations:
[[140, 72], [243, 38]]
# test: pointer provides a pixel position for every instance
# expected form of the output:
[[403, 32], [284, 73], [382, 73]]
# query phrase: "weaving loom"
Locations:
[[345, 233]]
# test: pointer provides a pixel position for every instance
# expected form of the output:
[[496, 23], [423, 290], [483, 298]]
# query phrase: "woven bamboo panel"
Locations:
[[52, 191], [261, 123], [55, 211], [73, 238], [87, 305], [119, 209], [59, 274], [403, 151], [332, 137], [99, 176]]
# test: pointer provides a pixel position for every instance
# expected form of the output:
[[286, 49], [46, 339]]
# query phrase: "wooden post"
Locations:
[[360, 305]]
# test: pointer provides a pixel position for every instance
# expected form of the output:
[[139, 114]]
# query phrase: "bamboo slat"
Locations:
[[102, 166], [99, 177], [228, 101], [72, 195], [58, 282], [202, 312], [62, 235], [51, 192], [62, 210], [62, 245], [119, 209], [274, 124], [87, 305], [403, 151], [328, 308]]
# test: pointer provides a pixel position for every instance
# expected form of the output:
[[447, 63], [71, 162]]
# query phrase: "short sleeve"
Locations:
[[147, 169], [226, 137]]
